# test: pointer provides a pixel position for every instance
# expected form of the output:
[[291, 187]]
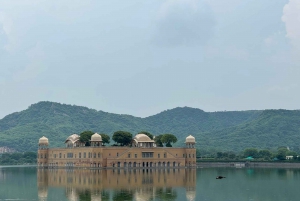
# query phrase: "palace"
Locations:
[[142, 153]]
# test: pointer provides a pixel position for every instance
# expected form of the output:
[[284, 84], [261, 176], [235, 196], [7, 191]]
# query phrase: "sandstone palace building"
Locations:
[[142, 153]]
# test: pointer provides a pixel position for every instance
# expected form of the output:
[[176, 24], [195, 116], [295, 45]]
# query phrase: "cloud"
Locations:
[[6, 28], [237, 53], [291, 18], [223, 6], [35, 66], [184, 23], [18, 18]]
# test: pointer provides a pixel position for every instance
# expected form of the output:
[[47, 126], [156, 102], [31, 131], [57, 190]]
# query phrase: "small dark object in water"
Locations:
[[220, 177]]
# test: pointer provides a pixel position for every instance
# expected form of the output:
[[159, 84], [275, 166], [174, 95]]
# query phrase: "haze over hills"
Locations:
[[224, 131]]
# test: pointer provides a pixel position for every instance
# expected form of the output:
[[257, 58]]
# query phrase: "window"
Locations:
[[117, 154], [79, 154], [59, 155], [189, 155], [99, 155], [165, 155], [158, 155], [147, 154], [94, 155], [128, 155], [69, 155], [135, 155], [84, 155]]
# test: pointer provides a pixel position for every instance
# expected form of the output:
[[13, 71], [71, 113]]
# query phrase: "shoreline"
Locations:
[[199, 165], [248, 164]]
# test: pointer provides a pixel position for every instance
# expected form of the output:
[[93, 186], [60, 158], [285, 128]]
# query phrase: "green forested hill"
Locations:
[[222, 130], [271, 129]]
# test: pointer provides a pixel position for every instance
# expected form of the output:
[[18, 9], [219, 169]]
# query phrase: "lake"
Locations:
[[240, 184]]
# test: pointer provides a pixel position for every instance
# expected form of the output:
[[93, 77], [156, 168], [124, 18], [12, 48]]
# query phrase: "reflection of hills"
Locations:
[[137, 184]]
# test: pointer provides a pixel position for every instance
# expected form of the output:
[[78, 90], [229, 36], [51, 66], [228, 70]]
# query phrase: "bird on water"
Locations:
[[220, 177]]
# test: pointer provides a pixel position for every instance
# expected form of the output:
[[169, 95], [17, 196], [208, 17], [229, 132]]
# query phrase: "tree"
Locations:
[[105, 138], [251, 152], [282, 153], [122, 137], [219, 154], [85, 137], [168, 139], [292, 153], [265, 154], [158, 141], [148, 134], [231, 155]]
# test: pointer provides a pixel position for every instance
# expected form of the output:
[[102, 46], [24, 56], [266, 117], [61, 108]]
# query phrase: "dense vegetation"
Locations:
[[18, 158], [214, 131], [252, 154], [271, 129]]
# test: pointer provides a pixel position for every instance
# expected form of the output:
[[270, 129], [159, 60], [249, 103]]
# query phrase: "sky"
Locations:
[[143, 57]]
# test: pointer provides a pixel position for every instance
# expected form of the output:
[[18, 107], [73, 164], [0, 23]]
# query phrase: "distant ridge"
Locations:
[[232, 130]]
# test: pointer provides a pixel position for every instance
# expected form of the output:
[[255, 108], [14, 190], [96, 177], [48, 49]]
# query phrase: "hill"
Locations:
[[234, 130], [271, 129]]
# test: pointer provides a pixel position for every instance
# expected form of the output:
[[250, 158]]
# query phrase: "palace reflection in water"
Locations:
[[118, 184]]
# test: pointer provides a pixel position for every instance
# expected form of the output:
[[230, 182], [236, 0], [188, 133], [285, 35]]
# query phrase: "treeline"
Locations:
[[280, 154], [57, 121], [124, 138], [226, 131], [18, 158]]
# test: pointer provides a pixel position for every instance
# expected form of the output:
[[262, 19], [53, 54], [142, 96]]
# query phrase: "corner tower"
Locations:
[[190, 158], [190, 141], [42, 156]]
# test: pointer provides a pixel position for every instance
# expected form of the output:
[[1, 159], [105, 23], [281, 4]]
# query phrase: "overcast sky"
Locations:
[[142, 57]]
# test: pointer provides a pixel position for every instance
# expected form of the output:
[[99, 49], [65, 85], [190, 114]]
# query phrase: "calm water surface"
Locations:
[[29, 183]]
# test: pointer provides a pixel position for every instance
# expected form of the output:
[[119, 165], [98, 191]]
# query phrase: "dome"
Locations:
[[142, 195], [96, 138], [42, 193], [190, 195], [190, 139], [73, 138], [142, 138], [96, 197], [71, 195], [44, 140]]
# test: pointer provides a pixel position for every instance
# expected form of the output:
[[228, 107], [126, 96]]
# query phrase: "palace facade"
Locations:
[[142, 153]]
